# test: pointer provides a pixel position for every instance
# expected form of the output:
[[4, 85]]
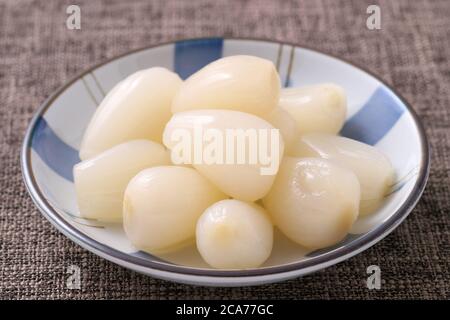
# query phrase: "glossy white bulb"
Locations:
[[313, 201], [233, 234], [101, 181], [373, 169], [162, 204], [247, 180], [243, 83], [316, 108], [283, 121], [136, 108]]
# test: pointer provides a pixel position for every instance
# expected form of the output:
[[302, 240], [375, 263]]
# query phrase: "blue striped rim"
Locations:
[[192, 55], [374, 120], [55, 153]]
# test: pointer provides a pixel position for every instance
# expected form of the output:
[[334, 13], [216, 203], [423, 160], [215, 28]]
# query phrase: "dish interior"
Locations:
[[375, 116]]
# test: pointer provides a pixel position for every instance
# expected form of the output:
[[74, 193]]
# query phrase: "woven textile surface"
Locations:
[[38, 54]]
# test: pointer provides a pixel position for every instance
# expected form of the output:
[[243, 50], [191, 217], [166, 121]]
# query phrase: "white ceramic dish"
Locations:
[[377, 115]]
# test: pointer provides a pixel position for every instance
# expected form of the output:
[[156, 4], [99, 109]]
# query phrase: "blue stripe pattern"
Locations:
[[192, 55], [374, 120], [288, 82], [55, 153]]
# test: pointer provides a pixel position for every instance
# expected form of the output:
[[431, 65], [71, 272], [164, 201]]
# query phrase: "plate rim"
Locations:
[[299, 268]]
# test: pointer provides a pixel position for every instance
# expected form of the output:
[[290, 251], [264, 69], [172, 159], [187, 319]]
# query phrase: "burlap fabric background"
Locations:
[[38, 54]]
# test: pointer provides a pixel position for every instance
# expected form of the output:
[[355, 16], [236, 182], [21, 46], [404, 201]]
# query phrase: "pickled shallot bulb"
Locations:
[[233, 234], [316, 108], [101, 181], [373, 169], [200, 130], [283, 121], [313, 201], [162, 204], [136, 108], [243, 83]]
